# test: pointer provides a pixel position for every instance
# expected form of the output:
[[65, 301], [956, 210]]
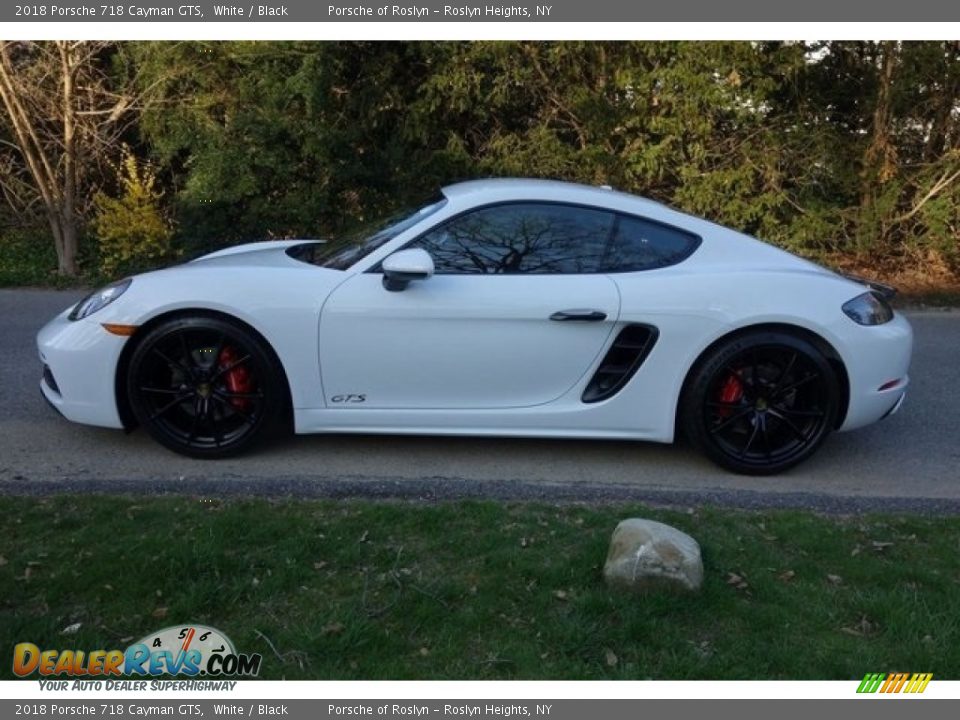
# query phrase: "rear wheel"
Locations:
[[761, 403], [204, 387]]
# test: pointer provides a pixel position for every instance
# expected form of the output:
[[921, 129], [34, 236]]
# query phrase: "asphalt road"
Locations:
[[909, 461]]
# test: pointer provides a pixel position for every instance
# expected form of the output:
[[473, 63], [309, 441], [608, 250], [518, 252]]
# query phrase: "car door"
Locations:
[[514, 316]]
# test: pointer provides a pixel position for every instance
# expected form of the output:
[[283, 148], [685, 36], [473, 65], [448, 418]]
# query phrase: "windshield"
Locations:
[[344, 252]]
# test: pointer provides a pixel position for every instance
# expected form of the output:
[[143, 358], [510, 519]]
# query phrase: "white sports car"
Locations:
[[505, 307]]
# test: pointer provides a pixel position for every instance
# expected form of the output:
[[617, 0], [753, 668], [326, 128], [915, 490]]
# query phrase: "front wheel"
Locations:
[[204, 387], [760, 403]]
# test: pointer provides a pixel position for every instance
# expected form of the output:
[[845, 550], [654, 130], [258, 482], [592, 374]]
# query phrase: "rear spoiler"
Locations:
[[887, 292]]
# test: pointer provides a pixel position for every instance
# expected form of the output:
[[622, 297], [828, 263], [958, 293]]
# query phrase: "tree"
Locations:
[[65, 115]]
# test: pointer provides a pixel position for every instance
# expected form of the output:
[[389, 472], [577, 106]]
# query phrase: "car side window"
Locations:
[[532, 238], [640, 244]]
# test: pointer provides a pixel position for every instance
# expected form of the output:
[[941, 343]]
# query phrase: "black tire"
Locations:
[[760, 403], [205, 387]]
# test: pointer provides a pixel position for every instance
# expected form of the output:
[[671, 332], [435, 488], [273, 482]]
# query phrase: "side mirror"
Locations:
[[405, 266]]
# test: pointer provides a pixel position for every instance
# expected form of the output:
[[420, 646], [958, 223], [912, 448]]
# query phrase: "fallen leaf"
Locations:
[[126, 639], [863, 627], [363, 538], [787, 576], [881, 545], [738, 581], [108, 586], [611, 658], [159, 613], [320, 565], [334, 628], [524, 542], [560, 594], [424, 651], [71, 629], [256, 582], [856, 551], [3, 561], [835, 579]]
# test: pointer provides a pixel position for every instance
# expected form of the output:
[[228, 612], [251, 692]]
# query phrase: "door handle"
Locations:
[[579, 315]]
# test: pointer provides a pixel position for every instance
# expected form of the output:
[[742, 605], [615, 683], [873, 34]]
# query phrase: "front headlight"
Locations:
[[868, 309], [99, 299]]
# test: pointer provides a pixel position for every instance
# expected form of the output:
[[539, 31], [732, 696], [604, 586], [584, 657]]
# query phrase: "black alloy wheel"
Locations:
[[761, 403], [204, 387]]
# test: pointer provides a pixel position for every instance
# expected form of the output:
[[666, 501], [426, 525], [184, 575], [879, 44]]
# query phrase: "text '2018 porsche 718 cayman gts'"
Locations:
[[504, 308]]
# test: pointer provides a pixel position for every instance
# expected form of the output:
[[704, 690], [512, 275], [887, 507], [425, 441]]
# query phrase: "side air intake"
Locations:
[[623, 359]]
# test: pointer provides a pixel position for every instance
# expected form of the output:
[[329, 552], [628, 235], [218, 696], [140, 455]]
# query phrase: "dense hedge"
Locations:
[[832, 148]]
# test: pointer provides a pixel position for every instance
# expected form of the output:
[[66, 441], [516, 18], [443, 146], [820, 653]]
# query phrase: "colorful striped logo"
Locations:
[[894, 682]]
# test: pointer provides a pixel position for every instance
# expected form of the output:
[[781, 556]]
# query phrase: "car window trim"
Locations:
[[608, 247]]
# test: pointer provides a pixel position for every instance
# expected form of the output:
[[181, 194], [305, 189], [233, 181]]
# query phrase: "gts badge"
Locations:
[[348, 399]]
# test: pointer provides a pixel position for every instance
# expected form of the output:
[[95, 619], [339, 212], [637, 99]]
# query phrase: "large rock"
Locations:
[[647, 555]]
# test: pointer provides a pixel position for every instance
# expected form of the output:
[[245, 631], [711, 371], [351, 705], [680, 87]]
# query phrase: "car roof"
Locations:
[[537, 189]]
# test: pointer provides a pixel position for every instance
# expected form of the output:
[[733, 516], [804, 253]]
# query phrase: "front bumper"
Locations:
[[80, 360], [877, 360]]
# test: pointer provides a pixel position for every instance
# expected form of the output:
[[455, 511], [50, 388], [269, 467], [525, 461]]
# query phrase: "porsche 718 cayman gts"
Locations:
[[505, 307]]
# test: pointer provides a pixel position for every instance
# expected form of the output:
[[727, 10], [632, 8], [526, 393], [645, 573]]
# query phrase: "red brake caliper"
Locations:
[[238, 379], [730, 392]]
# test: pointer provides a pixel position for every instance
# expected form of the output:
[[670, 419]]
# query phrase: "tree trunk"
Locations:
[[67, 259], [880, 156], [879, 160], [947, 99]]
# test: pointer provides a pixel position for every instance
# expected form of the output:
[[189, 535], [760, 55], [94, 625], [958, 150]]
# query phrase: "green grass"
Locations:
[[357, 589]]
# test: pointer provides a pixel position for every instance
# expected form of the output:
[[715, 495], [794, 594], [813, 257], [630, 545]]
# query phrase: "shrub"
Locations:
[[132, 229]]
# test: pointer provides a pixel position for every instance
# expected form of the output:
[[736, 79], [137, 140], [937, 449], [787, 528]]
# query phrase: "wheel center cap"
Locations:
[[203, 390], [761, 404]]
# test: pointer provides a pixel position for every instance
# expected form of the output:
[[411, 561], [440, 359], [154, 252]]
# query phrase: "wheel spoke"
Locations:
[[730, 420], [237, 395], [233, 408], [214, 424], [173, 403], [161, 391], [790, 424], [753, 436], [798, 413], [785, 374], [228, 368], [187, 358], [171, 362], [217, 350], [794, 385]]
